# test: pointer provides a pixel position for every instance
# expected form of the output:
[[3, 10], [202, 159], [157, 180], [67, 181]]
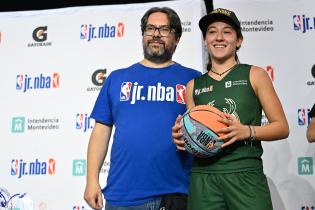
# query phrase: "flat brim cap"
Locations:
[[219, 15]]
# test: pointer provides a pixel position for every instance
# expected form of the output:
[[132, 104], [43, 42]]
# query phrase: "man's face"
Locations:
[[158, 48]]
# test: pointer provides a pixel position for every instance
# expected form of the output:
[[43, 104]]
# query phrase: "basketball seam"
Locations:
[[206, 111]]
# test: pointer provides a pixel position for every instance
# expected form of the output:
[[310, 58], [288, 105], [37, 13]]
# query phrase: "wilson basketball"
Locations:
[[199, 126]]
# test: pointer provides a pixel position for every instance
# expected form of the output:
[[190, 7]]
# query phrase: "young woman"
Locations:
[[234, 179]]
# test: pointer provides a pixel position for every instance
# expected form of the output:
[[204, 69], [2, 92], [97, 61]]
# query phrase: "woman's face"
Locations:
[[221, 41]]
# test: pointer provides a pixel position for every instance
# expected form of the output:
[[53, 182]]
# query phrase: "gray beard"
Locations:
[[159, 58]]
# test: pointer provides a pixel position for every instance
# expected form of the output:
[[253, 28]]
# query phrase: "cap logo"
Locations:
[[222, 11]]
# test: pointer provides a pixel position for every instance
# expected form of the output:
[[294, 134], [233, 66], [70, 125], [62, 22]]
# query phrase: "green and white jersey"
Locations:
[[233, 95]]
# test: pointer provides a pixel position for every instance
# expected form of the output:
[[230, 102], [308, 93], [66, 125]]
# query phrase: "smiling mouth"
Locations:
[[156, 42], [219, 46]]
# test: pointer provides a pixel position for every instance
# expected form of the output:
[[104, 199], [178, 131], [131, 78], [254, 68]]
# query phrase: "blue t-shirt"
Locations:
[[143, 103]]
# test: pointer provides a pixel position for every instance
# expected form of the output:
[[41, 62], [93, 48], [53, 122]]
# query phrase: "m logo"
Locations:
[[79, 168], [18, 124], [305, 166]]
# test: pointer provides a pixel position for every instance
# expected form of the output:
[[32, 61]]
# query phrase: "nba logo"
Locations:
[[19, 82], [51, 166], [303, 118], [84, 31], [180, 93], [125, 90], [270, 72], [14, 167], [55, 80], [297, 22], [121, 29], [79, 121]]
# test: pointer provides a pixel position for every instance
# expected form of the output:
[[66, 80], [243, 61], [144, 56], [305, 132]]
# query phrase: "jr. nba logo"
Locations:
[[180, 93], [14, 167], [125, 90]]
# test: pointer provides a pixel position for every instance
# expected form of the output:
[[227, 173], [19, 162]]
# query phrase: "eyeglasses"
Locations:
[[164, 30]]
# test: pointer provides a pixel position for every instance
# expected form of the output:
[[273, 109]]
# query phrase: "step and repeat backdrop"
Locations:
[[54, 62], [280, 37]]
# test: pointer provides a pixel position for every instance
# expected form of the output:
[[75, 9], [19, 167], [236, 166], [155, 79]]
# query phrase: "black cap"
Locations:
[[219, 14]]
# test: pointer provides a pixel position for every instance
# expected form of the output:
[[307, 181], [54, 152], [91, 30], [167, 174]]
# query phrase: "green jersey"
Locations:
[[233, 95]]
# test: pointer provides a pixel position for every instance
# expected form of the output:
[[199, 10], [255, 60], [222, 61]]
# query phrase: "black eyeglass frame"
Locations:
[[149, 30]]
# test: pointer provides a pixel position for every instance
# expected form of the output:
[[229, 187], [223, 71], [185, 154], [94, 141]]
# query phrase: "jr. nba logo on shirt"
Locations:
[[135, 92], [125, 91]]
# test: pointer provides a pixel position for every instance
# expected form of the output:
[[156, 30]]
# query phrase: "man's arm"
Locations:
[[310, 133], [97, 150]]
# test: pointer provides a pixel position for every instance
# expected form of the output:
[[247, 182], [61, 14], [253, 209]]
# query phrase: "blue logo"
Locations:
[[303, 118], [83, 122], [21, 168], [303, 23], [89, 32], [25, 82]]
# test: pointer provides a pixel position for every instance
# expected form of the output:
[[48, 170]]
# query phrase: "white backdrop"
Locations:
[[50, 83], [275, 39], [52, 65]]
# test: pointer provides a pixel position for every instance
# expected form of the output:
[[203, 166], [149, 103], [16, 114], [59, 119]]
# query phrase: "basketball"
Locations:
[[199, 126]]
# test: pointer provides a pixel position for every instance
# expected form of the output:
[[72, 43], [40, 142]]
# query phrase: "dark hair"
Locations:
[[173, 18]]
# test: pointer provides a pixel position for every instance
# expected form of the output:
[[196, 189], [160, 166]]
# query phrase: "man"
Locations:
[[142, 101], [310, 133]]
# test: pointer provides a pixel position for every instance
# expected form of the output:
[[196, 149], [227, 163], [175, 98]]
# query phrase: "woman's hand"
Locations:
[[235, 131]]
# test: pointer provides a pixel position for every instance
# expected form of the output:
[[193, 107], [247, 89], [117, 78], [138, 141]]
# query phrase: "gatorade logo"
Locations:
[[135, 92]]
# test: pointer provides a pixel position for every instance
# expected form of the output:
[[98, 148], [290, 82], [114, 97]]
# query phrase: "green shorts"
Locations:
[[231, 191]]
